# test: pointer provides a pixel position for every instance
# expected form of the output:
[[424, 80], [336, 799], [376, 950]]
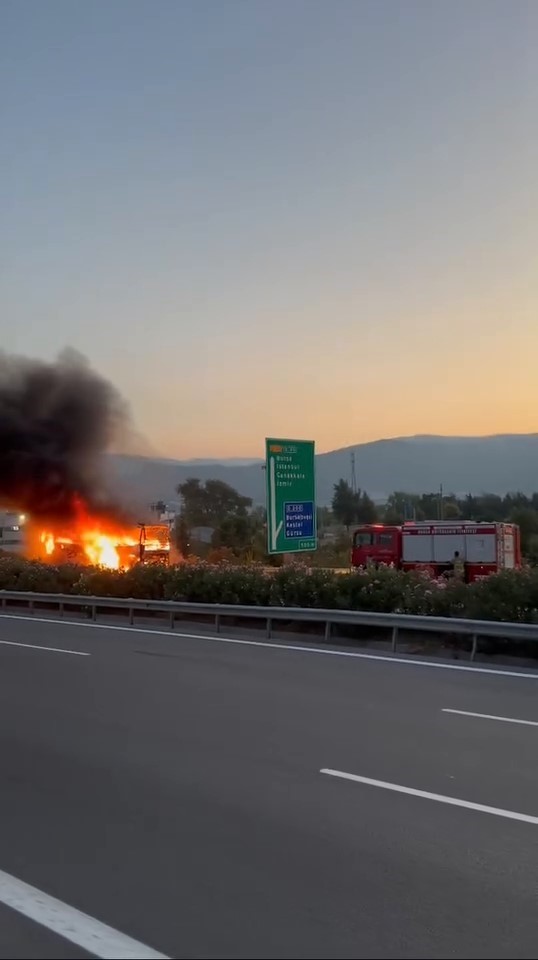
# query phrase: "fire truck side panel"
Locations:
[[445, 545], [516, 545], [480, 547], [509, 547], [417, 545]]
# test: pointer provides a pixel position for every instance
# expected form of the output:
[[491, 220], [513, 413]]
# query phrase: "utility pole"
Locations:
[[441, 511], [353, 474]]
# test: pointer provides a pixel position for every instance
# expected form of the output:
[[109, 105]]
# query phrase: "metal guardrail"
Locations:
[[394, 622]]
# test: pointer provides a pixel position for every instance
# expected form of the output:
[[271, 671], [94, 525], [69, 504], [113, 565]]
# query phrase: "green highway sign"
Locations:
[[291, 496]]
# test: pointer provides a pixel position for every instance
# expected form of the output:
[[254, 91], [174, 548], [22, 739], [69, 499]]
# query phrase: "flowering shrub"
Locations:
[[510, 595], [30, 575]]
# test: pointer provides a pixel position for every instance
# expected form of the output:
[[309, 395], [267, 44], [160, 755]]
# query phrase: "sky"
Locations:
[[304, 218]]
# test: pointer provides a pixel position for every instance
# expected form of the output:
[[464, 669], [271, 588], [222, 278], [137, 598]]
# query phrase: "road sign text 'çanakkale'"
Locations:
[[291, 496]]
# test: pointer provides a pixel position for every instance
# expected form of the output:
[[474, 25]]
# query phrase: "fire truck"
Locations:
[[431, 546]]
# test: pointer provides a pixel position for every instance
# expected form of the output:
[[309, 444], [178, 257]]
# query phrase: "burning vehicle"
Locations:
[[99, 542], [57, 420]]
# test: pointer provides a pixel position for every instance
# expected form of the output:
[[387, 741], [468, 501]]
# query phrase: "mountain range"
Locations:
[[495, 464]]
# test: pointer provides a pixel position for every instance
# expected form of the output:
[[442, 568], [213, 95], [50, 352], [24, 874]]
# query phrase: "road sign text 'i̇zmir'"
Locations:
[[291, 496]]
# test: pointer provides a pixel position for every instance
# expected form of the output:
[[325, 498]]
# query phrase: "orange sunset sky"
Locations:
[[310, 219]]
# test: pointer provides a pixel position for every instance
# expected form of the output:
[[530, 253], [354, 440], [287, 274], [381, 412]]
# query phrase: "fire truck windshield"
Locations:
[[363, 539]]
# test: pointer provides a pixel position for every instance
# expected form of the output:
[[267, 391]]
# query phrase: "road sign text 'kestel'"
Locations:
[[291, 496]]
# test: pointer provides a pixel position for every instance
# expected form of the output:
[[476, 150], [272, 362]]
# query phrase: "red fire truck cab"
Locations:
[[431, 546]]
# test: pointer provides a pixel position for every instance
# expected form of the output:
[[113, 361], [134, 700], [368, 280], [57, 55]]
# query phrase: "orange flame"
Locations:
[[101, 542], [101, 550], [47, 540], [98, 548]]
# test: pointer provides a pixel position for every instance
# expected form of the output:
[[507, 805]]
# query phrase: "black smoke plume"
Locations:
[[56, 422]]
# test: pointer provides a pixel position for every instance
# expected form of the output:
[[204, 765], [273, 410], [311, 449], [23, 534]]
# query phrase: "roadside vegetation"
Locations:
[[510, 595]]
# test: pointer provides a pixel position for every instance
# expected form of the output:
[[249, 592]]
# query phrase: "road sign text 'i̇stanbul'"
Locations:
[[291, 496]]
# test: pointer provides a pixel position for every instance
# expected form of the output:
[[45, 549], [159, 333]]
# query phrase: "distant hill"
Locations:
[[496, 464]]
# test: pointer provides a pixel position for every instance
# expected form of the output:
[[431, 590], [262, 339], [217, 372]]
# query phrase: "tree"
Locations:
[[223, 501], [429, 506], [209, 504], [236, 532], [344, 503], [434, 506], [366, 508], [402, 506], [489, 506], [351, 507], [516, 501], [324, 518], [451, 510], [193, 497], [258, 545], [181, 535], [527, 521]]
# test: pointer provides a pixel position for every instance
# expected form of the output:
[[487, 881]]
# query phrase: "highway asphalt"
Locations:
[[170, 788]]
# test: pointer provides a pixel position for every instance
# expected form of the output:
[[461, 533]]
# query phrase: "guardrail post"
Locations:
[[268, 628], [328, 627], [94, 611], [474, 646], [394, 638], [61, 608], [131, 616], [4, 603], [172, 619], [217, 623], [31, 607]]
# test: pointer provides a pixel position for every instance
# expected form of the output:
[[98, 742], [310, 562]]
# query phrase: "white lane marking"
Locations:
[[36, 646], [68, 922], [217, 638], [490, 716], [438, 797]]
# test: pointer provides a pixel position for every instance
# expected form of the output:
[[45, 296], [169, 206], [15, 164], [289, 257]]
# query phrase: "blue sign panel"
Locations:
[[299, 519]]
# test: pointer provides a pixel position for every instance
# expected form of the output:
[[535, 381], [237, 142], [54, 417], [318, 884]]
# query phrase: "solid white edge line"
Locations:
[[36, 646], [71, 924], [490, 716], [425, 795], [217, 638]]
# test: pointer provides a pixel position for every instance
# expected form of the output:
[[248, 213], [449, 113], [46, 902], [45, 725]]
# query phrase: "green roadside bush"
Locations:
[[29, 575], [511, 595]]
